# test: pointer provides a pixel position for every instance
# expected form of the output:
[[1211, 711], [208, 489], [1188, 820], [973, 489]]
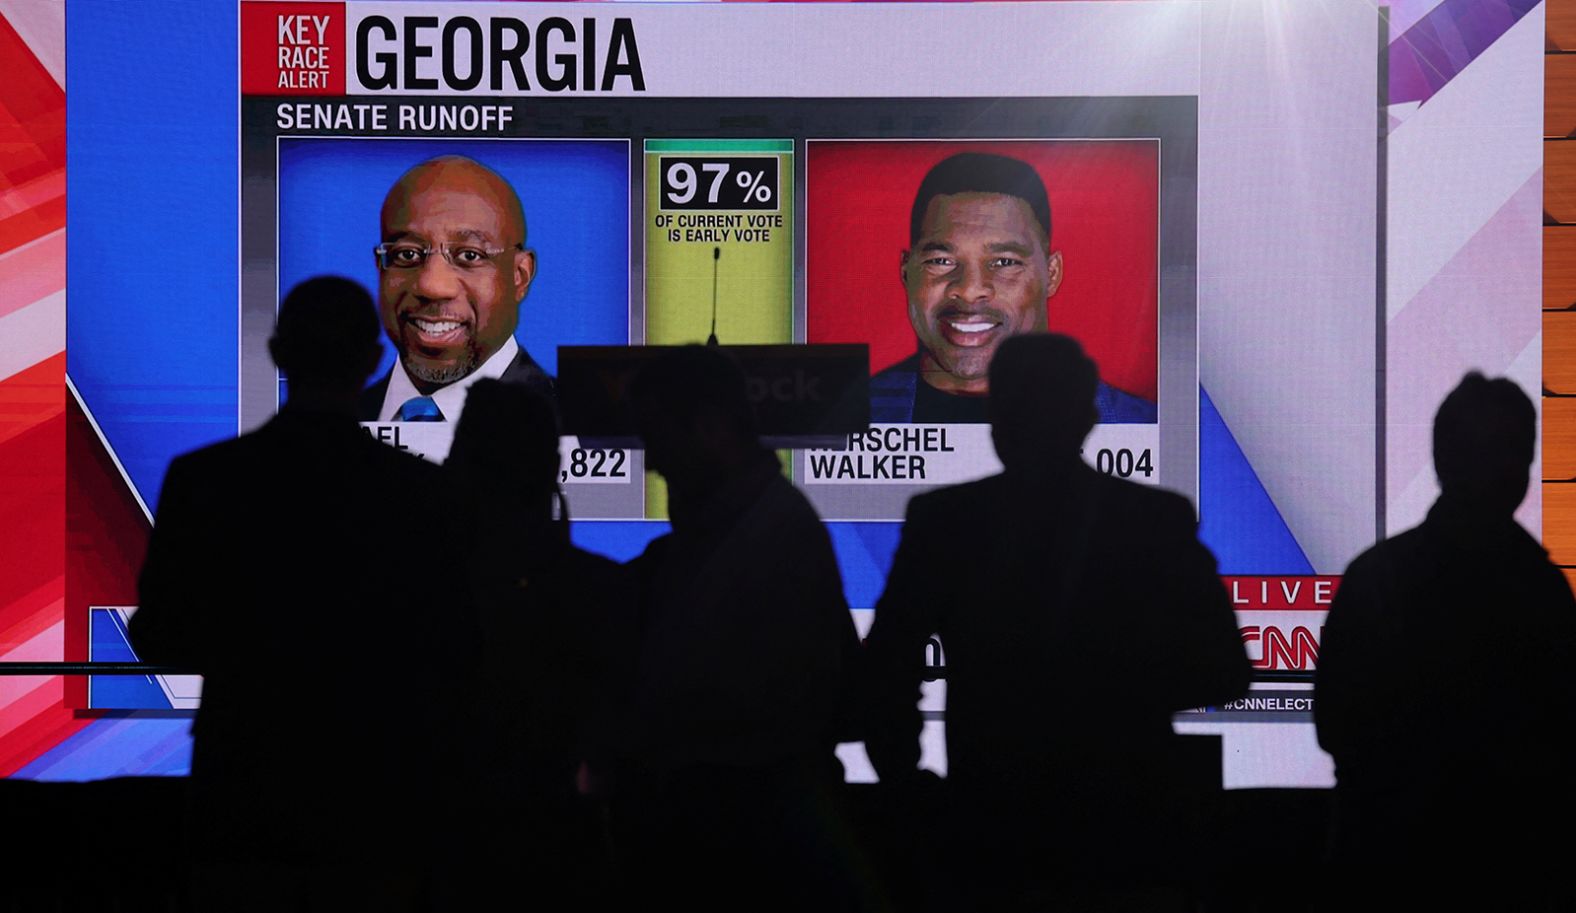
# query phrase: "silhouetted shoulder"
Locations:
[[790, 505], [1403, 548], [967, 496], [600, 578], [287, 440], [1374, 577], [400, 462], [1141, 496], [197, 463], [370, 402], [349, 442], [1130, 500], [1392, 575], [580, 560], [786, 533]]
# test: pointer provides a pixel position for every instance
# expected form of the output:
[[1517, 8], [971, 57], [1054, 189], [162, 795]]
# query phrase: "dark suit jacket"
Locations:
[[1445, 694], [289, 567], [558, 642], [1076, 613], [522, 370], [745, 635], [558, 634]]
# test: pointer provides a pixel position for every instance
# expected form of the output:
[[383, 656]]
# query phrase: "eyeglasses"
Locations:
[[468, 257]]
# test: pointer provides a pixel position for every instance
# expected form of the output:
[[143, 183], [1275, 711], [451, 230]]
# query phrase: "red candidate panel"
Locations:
[[1104, 209]]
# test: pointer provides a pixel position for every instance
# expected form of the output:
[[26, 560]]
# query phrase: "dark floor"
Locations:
[[116, 845]]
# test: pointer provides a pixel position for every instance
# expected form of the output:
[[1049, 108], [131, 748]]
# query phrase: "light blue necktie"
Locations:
[[419, 409]]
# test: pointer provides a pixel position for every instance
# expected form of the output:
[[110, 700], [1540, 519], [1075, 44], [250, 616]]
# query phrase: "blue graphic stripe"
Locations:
[[109, 641], [117, 747], [1239, 521]]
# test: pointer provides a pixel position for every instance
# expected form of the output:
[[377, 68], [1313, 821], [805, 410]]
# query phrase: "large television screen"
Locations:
[[1282, 229]]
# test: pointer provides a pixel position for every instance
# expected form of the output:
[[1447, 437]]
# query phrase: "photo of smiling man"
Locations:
[[484, 256], [453, 267], [981, 264], [980, 268]]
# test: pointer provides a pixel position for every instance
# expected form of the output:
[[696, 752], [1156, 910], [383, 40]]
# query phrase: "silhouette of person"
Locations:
[[552, 647], [1443, 688], [281, 570], [745, 642], [1077, 612], [452, 270]]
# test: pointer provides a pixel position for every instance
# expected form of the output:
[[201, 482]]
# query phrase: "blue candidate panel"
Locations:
[[576, 199], [151, 206]]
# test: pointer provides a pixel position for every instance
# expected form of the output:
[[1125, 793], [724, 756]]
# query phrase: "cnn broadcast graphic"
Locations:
[[1281, 231]]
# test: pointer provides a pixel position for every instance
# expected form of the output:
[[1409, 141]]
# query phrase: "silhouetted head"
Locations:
[[447, 314], [507, 438], [1042, 389], [979, 268], [326, 337], [693, 412], [1484, 433]]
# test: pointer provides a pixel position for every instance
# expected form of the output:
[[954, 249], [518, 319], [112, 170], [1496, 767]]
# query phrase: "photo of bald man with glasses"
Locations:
[[453, 267]]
